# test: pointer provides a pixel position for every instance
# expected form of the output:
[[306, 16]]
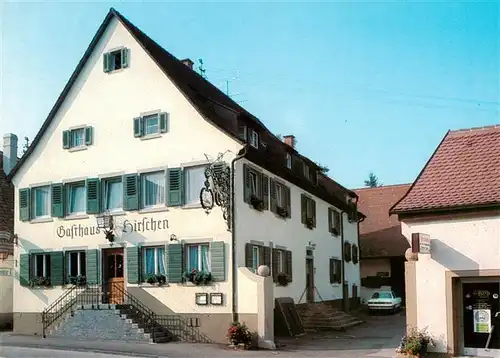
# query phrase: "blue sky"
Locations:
[[363, 86]]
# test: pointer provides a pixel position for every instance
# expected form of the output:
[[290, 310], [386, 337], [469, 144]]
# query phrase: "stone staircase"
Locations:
[[323, 317], [108, 322]]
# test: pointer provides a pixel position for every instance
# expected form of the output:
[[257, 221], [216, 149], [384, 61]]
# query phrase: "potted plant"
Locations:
[[257, 203], [39, 281], [79, 280], [282, 279], [310, 223], [198, 277], [282, 211], [415, 343], [239, 335], [159, 279]]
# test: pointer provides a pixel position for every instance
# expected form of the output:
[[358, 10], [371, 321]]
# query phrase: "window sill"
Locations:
[[151, 136], [77, 149], [153, 210], [76, 217], [41, 220], [192, 206], [149, 285], [116, 213]]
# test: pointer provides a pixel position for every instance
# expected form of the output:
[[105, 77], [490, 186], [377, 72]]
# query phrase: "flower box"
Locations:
[[282, 279], [257, 203], [40, 281], [283, 212], [154, 279], [198, 277], [310, 223]]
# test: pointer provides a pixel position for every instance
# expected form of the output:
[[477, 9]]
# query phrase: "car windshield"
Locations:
[[382, 295]]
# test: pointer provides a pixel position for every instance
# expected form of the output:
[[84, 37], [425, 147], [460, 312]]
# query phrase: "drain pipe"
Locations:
[[233, 237]]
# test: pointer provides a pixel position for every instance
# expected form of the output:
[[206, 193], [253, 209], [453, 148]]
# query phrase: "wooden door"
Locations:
[[310, 279], [113, 272]]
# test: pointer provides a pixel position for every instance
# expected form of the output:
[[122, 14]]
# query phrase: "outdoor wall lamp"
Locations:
[[105, 222], [173, 237]]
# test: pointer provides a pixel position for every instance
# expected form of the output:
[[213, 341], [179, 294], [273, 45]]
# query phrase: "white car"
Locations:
[[384, 301]]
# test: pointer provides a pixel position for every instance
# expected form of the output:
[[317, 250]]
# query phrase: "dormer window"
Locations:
[[307, 171], [288, 160], [254, 139], [115, 60], [242, 132]]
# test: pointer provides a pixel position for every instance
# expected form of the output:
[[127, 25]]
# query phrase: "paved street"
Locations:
[[378, 338]]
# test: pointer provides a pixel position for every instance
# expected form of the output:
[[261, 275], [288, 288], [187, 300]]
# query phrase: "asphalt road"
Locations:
[[21, 352]]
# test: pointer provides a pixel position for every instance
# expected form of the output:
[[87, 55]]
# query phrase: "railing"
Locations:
[[181, 330], [73, 296], [304, 292]]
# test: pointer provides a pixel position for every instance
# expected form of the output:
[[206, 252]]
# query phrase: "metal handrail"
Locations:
[[57, 308]]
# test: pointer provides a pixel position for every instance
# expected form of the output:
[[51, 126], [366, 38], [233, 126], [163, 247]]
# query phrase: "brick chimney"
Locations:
[[188, 63], [9, 152], [289, 140]]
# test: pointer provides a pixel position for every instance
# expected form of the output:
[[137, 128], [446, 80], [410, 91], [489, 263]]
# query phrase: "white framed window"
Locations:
[[255, 257], [41, 265], [153, 189], [198, 257], [154, 261], [254, 183], [151, 124], [288, 159], [254, 139], [76, 198], [77, 138], [194, 179], [112, 190], [115, 60], [280, 200], [77, 264], [40, 206]]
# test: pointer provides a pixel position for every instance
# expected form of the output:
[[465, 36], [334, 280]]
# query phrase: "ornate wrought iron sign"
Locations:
[[217, 189]]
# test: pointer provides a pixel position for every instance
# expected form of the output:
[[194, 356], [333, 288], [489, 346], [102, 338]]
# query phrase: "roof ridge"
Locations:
[[473, 130], [381, 187]]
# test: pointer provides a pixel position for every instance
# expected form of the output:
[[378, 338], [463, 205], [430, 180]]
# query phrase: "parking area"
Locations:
[[379, 336]]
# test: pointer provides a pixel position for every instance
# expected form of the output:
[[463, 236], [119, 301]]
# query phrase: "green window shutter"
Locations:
[[267, 256], [275, 268], [314, 212], [65, 139], [175, 187], [332, 271], [92, 274], [330, 220], [89, 135], [107, 62], [175, 262], [218, 260], [124, 53], [272, 193], [338, 271], [246, 184], [57, 193], [138, 127], [164, 122], [24, 204], [248, 255], [131, 192], [133, 270], [265, 190], [93, 195], [56, 268], [24, 269], [288, 201], [303, 208], [288, 265]]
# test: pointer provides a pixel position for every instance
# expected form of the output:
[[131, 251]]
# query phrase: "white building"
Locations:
[[453, 292], [132, 134]]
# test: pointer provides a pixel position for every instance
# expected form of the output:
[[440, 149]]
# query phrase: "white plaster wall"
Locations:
[[459, 244], [372, 266], [6, 283], [293, 235], [109, 102]]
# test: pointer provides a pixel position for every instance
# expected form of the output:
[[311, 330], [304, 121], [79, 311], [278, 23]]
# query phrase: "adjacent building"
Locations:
[[451, 216], [8, 158], [383, 246], [196, 186]]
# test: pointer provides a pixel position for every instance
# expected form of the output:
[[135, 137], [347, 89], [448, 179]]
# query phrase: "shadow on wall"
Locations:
[[450, 258]]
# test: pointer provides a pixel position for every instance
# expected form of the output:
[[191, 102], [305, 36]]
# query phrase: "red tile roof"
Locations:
[[464, 171], [380, 233]]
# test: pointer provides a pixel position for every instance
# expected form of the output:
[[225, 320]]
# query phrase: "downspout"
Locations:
[[233, 237]]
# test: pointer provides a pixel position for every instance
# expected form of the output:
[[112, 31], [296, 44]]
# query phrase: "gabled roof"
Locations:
[[380, 233], [463, 173], [208, 100]]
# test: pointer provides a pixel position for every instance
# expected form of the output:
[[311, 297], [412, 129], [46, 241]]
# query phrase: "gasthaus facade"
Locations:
[[196, 188], [451, 218]]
